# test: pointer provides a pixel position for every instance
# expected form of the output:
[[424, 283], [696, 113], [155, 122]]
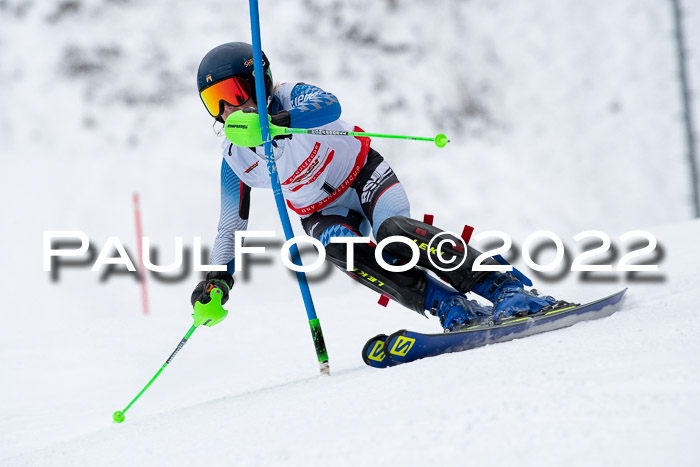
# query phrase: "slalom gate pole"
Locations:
[[314, 323], [118, 416]]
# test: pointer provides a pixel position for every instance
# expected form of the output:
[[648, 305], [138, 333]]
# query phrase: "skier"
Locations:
[[340, 187]]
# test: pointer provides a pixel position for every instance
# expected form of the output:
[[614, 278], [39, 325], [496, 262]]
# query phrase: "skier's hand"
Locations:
[[282, 119], [210, 313], [221, 280], [208, 298]]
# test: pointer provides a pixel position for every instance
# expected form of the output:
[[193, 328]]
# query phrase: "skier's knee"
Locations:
[[335, 231], [428, 237], [391, 203]]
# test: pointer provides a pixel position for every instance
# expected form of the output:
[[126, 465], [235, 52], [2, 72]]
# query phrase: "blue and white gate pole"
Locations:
[[314, 323]]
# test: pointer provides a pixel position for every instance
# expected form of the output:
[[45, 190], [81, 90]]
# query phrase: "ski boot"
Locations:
[[505, 290], [453, 309], [509, 297]]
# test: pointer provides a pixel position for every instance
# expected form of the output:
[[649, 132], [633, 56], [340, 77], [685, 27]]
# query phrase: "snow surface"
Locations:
[[563, 115]]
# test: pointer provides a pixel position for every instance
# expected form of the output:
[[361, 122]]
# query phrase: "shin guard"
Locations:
[[463, 278], [407, 288]]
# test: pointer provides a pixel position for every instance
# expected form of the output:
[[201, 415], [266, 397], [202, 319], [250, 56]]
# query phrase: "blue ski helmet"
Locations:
[[233, 59]]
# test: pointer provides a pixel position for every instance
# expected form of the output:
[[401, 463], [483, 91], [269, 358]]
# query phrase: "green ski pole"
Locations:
[[243, 129], [207, 314], [119, 416], [440, 139]]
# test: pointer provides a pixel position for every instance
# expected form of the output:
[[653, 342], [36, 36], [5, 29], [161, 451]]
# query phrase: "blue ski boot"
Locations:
[[453, 309], [509, 297]]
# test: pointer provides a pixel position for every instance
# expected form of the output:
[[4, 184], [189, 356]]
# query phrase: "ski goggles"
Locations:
[[234, 90]]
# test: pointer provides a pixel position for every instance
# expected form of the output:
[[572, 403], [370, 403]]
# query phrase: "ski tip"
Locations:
[[373, 353], [373, 350], [390, 343]]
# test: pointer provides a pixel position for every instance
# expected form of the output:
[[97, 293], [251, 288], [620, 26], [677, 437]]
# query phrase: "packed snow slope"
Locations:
[[563, 115], [623, 390]]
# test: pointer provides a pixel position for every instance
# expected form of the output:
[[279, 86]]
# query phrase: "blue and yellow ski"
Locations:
[[406, 346]]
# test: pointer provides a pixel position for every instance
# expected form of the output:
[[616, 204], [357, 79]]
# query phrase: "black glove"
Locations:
[[282, 119], [221, 280]]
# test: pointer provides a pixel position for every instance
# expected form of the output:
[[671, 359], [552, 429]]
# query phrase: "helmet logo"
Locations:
[[249, 62], [208, 79]]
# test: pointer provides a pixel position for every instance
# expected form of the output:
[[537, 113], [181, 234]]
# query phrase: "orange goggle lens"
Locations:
[[235, 91]]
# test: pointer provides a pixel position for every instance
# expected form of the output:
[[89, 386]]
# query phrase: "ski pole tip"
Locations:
[[118, 416], [441, 140]]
